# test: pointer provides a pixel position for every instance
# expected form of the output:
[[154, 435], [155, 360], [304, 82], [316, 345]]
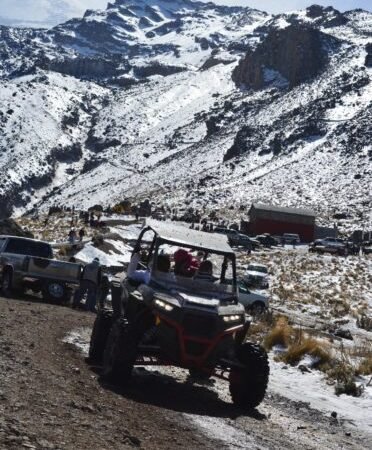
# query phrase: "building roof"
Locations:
[[279, 209], [179, 235]]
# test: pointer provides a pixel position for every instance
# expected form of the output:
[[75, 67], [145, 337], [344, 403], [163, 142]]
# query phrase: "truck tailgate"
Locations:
[[53, 269]]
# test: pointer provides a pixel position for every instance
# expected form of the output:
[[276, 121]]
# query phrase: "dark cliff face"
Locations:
[[368, 62], [295, 52]]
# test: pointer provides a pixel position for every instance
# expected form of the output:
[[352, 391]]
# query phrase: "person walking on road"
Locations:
[[89, 284], [81, 234], [72, 236]]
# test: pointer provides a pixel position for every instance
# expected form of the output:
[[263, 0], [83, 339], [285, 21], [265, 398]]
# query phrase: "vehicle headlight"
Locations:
[[164, 305], [232, 318]]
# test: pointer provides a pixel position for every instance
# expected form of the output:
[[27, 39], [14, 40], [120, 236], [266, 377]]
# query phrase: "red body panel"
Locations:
[[191, 361]]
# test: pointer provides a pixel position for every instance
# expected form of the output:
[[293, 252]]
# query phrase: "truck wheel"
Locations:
[[120, 353], [248, 384], [6, 283], [257, 308], [198, 374], [55, 292], [100, 333]]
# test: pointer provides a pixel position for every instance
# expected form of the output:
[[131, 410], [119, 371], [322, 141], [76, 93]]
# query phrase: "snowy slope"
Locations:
[[159, 118]]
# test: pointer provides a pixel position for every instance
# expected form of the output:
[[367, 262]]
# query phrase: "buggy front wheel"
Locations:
[[248, 383]]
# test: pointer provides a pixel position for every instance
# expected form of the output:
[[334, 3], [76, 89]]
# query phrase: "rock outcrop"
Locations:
[[326, 17], [9, 227], [295, 53], [368, 62]]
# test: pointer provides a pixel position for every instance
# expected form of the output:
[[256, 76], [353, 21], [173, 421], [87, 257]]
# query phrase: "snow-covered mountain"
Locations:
[[189, 104]]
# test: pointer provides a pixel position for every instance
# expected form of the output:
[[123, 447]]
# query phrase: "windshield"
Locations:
[[254, 268], [29, 248], [194, 268]]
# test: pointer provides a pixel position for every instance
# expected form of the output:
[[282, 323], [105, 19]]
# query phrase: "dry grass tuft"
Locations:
[[281, 334], [308, 346], [365, 366]]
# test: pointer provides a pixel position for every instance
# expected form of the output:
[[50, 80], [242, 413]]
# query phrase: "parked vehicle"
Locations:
[[256, 275], [197, 324], [252, 302], [28, 264], [266, 240], [236, 238], [329, 245], [367, 247], [256, 244], [291, 238]]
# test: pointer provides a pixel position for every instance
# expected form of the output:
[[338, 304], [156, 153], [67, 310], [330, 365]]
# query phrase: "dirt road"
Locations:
[[51, 399]]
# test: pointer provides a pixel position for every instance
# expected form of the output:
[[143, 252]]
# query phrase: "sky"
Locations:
[[50, 12]]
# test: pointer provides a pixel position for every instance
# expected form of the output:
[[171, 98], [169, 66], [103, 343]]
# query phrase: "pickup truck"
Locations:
[[328, 245], [236, 238], [29, 264]]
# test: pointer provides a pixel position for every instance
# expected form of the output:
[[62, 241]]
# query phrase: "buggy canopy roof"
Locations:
[[179, 235]]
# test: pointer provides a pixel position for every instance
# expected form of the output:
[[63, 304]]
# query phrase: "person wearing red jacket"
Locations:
[[184, 263]]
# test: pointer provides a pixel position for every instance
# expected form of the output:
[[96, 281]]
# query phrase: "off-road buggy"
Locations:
[[191, 322]]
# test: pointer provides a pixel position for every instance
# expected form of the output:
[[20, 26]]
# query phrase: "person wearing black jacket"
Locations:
[[90, 282]]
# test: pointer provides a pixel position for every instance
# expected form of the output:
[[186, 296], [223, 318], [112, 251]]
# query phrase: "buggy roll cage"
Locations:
[[158, 240]]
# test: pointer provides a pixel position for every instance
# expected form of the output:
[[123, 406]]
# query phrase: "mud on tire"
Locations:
[[120, 352], [101, 330], [248, 385]]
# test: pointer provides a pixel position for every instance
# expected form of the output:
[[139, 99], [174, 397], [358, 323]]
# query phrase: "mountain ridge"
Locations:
[[157, 118]]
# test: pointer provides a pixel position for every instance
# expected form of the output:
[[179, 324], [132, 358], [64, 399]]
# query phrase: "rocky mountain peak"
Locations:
[[326, 16]]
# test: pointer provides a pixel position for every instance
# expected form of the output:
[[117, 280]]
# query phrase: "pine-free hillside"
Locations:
[[192, 105]]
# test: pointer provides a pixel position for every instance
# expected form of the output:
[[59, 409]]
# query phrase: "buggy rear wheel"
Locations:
[[100, 333], [248, 384], [120, 352]]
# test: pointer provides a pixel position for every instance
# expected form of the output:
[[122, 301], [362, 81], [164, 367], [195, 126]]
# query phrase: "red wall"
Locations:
[[274, 227]]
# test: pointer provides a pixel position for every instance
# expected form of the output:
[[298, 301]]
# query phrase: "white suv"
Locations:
[[257, 275]]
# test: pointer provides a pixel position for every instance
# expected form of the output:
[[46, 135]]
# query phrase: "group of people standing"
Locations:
[[74, 237]]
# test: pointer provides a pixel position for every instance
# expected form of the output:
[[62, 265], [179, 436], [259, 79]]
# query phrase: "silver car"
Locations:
[[252, 302]]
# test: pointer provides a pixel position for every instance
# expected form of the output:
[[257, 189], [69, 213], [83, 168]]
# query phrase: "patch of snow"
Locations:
[[89, 252], [312, 388], [220, 429], [80, 339]]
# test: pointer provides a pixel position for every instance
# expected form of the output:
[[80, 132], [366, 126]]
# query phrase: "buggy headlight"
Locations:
[[164, 305], [232, 318]]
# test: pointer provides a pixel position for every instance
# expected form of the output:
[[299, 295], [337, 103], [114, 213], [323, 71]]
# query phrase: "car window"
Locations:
[[243, 289], [29, 248], [2, 241]]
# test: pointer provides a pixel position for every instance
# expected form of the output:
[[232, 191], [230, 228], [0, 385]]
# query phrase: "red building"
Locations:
[[277, 221]]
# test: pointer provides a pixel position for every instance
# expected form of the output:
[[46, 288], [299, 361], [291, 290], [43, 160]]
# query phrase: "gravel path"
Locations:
[[51, 399]]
